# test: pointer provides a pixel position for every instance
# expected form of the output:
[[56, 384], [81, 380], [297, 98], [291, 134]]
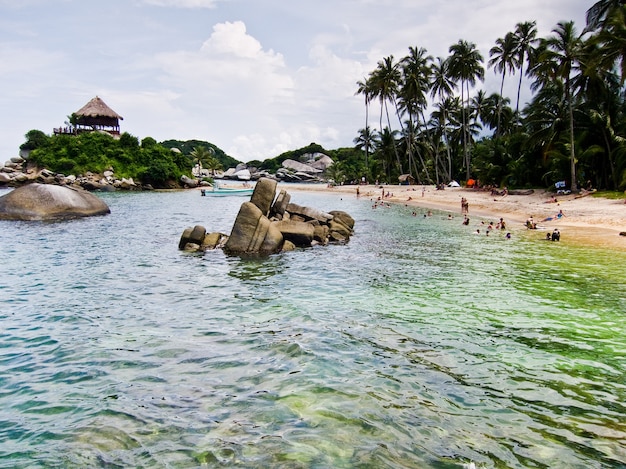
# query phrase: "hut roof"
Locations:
[[97, 108]]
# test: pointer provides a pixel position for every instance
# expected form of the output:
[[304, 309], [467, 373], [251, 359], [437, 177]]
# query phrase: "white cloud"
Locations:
[[183, 3]]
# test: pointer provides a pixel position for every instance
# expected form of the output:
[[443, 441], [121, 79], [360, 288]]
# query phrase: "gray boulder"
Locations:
[[50, 202], [263, 195], [253, 233], [298, 232], [188, 182], [344, 218], [280, 205], [308, 213]]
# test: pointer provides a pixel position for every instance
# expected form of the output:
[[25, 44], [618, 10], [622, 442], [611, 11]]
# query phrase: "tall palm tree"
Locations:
[[612, 40], [365, 141], [364, 88], [466, 66], [414, 89], [442, 86], [561, 57], [384, 83], [504, 57], [525, 39]]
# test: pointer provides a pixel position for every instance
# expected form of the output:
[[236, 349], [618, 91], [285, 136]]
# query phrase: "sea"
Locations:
[[418, 344]]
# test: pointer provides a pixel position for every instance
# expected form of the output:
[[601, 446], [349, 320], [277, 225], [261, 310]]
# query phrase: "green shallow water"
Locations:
[[416, 345]]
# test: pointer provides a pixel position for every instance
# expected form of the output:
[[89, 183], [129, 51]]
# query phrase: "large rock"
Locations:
[[343, 217], [50, 202], [300, 167], [280, 205], [298, 232], [263, 195], [308, 213], [253, 233]]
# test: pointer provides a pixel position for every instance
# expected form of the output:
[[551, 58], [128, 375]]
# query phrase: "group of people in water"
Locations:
[[483, 227]]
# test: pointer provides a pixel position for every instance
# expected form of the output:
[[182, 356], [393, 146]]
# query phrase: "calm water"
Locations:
[[417, 345]]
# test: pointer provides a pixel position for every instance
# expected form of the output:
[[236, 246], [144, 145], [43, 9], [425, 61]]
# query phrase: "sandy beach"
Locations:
[[587, 219]]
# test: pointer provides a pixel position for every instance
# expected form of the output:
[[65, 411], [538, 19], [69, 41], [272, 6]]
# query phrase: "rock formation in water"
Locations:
[[50, 202], [269, 224]]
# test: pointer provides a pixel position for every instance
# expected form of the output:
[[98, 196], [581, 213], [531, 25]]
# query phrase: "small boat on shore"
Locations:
[[225, 191]]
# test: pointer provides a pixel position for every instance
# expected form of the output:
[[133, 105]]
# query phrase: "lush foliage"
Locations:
[[189, 146], [148, 162], [572, 129]]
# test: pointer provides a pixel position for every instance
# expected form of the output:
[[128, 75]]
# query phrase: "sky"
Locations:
[[254, 77]]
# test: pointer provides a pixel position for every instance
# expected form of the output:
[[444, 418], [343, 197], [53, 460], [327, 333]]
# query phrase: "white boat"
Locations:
[[223, 191]]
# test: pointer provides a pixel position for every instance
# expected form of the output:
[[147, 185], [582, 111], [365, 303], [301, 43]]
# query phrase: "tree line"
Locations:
[[430, 125]]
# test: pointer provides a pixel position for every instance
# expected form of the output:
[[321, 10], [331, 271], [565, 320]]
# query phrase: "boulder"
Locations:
[[4, 178], [336, 227], [50, 202], [253, 233], [320, 234], [263, 195], [213, 240], [188, 182], [343, 217], [280, 205], [300, 167], [309, 213], [298, 232]]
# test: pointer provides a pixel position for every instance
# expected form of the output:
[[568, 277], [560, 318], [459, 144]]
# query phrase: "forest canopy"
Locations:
[[434, 122]]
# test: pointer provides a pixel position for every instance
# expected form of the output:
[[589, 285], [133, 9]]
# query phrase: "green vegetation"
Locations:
[[96, 152], [189, 146], [573, 128], [148, 162]]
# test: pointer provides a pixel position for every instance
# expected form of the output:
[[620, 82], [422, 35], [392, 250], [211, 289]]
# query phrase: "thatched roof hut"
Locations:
[[96, 115], [406, 179]]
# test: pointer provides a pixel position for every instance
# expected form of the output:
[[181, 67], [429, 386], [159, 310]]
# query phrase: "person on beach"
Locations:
[[556, 235], [464, 205]]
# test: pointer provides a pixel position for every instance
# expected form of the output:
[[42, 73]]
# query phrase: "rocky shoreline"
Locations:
[[18, 172]]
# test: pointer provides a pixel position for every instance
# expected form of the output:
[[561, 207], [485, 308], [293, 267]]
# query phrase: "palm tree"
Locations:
[[503, 58], [442, 85], [600, 12], [414, 88], [202, 156], [365, 142], [560, 58], [465, 65], [384, 82], [364, 89], [525, 38], [612, 41]]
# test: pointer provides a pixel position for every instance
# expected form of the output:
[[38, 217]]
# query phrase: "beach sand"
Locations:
[[588, 220]]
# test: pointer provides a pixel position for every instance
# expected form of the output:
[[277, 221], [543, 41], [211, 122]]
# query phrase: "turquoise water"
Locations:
[[416, 345]]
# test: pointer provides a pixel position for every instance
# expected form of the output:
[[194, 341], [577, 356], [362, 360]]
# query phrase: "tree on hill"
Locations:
[[188, 146]]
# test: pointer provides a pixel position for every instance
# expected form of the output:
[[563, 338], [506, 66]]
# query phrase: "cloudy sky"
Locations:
[[254, 77]]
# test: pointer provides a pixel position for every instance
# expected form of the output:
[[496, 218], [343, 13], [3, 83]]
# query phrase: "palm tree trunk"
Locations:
[[395, 149], [574, 186]]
